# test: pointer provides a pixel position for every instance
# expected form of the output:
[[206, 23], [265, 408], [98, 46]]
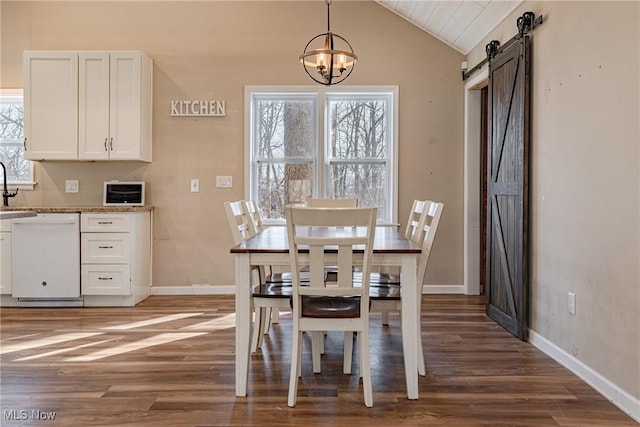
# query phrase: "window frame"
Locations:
[[22, 185], [321, 165]]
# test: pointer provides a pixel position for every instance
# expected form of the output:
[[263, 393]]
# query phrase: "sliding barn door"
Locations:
[[507, 189]]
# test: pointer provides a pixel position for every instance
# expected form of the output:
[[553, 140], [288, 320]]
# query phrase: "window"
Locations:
[[19, 170], [322, 143]]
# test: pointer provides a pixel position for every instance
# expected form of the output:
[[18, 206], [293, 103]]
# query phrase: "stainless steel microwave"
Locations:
[[119, 193]]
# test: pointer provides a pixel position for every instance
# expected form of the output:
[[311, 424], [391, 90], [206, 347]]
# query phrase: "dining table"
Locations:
[[271, 248]]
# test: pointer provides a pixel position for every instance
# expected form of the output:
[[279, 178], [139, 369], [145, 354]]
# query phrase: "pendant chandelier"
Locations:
[[328, 58]]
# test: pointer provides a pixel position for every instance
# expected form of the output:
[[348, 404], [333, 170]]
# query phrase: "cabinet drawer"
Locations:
[[105, 223], [100, 279], [105, 248]]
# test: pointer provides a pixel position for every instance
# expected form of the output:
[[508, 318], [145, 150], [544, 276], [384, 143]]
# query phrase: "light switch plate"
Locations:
[[71, 186], [224, 181], [195, 185], [571, 303]]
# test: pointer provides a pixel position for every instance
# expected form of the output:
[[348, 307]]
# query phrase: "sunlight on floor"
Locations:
[[224, 322], [125, 348], [153, 321], [152, 339], [64, 350], [46, 341]]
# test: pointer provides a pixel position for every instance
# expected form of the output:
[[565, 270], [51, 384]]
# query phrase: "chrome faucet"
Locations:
[[5, 191]]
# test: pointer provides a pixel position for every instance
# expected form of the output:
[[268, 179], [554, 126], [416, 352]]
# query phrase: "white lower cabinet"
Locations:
[[5, 257], [115, 257]]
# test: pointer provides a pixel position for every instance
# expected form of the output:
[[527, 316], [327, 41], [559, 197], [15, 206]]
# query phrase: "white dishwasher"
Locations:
[[45, 260]]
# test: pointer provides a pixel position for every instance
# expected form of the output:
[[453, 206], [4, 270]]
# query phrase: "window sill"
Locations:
[[28, 186]]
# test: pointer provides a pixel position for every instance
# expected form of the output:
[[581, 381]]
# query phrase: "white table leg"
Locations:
[[410, 319], [243, 322]]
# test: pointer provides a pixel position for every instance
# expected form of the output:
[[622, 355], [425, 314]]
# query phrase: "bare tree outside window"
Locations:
[[358, 151], [284, 165], [12, 136], [355, 151]]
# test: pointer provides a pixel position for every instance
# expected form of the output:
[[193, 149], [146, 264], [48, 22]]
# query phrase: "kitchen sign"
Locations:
[[211, 108]]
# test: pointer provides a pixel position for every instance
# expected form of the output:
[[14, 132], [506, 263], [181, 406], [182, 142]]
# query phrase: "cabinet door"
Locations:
[[5, 262], [50, 105], [93, 106], [125, 106]]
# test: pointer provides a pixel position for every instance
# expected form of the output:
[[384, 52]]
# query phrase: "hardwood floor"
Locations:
[[170, 362]]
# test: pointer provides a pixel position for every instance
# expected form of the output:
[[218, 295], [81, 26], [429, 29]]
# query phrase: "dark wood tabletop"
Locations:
[[274, 240]]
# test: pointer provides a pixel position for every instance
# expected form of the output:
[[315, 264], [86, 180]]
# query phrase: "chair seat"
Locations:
[[273, 290], [286, 277], [390, 292], [330, 307], [379, 278]]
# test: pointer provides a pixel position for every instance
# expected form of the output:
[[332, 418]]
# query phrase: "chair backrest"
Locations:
[[428, 227], [254, 215], [344, 231], [331, 203], [412, 232], [239, 221]]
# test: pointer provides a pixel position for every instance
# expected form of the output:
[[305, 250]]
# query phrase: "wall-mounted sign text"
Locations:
[[210, 108]]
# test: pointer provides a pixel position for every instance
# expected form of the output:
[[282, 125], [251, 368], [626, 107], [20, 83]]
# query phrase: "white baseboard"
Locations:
[[443, 289], [623, 400], [193, 290]]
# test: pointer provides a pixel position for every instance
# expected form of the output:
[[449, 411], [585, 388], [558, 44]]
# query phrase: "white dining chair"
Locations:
[[266, 295], [314, 202], [321, 306], [387, 298], [386, 283]]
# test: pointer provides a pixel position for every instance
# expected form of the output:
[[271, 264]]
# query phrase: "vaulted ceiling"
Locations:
[[460, 24]]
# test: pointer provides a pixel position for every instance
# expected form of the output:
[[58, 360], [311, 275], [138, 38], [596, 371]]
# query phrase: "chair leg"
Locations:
[[275, 315], [296, 351], [348, 352], [422, 371], [385, 317], [365, 368], [317, 341], [421, 366], [259, 319], [266, 324]]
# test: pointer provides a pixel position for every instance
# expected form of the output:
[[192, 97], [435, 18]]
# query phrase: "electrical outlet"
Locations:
[[571, 303], [195, 185], [224, 181], [71, 186]]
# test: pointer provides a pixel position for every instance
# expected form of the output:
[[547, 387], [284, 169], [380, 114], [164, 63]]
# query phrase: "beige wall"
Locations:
[[585, 184], [211, 50]]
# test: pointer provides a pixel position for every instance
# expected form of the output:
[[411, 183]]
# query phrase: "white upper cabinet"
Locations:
[[51, 105], [111, 118], [115, 100]]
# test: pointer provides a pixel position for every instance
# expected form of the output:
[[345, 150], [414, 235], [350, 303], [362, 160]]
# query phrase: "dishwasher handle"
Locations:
[[47, 221]]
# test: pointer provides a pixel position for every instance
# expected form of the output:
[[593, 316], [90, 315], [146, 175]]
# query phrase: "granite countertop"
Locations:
[[13, 214], [73, 209]]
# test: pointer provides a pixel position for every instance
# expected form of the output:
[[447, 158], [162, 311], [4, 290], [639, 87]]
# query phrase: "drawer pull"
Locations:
[[105, 222], [105, 247], [105, 278]]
